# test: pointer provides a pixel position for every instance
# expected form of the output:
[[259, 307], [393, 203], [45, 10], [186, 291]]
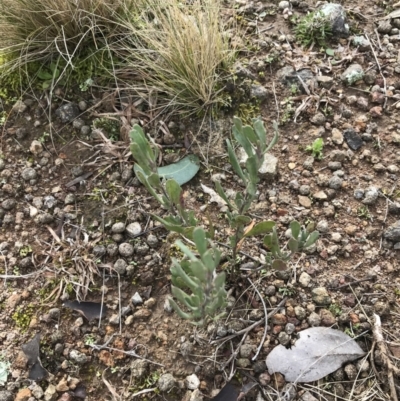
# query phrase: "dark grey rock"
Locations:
[[337, 16], [394, 207], [29, 174], [85, 130], [335, 182], [120, 266], [289, 76], [259, 92], [77, 171], [352, 74], [384, 26], [8, 204], [67, 112], [352, 139], [392, 233], [99, 250]]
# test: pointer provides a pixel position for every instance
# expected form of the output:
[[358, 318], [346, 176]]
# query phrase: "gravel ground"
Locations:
[[75, 223]]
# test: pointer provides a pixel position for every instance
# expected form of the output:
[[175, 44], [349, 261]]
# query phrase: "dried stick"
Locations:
[[379, 68], [266, 320], [380, 343]]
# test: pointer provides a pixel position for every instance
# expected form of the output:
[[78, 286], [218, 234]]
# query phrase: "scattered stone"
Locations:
[[67, 112], [314, 319], [136, 299], [69, 199], [352, 139], [327, 318], [78, 357], [300, 312], [304, 279], [82, 105], [125, 249], [167, 305], [36, 147], [246, 350], [318, 119], [361, 42], [192, 382], [283, 5], [62, 385], [99, 250], [321, 296], [351, 371], [166, 382], [51, 393], [307, 396], [320, 195], [118, 227], [283, 338], [269, 168], [142, 313], [335, 182], [19, 106], [120, 266], [337, 136], [394, 208], [371, 196], [114, 319], [139, 368], [23, 395], [279, 319], [305, 201], [133, 229]]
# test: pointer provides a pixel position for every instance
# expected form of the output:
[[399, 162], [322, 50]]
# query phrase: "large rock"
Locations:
[[337, 18], [352, 74], [393, 232], [68, 112]]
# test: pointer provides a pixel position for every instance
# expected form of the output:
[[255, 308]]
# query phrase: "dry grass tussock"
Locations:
[[175, 49], [181, 52], [39, 29]]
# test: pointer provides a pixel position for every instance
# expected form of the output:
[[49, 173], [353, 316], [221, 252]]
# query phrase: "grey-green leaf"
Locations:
[[182, 171], [174, 191], [279, 264], [311, 239], [295, 229], [261, 228]]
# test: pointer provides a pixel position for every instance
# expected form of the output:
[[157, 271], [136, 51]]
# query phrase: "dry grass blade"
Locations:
[[181, 52]]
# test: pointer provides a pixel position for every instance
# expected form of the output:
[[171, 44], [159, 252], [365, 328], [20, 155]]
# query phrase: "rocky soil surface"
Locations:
[[75, 223]]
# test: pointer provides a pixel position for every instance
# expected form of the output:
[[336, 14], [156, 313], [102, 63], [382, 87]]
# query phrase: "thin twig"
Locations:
[[253, 326], [266, 321], [380, 343], [379, 68]]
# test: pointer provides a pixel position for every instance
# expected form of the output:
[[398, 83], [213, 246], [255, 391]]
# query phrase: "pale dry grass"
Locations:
[[181, 52]]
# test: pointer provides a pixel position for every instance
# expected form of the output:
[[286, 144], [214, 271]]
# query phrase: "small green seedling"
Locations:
[[314, 29], [316, 148]]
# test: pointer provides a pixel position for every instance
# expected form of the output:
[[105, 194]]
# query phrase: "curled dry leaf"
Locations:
[[91, 310], [214, 197], [318, 352], [32, 351]]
